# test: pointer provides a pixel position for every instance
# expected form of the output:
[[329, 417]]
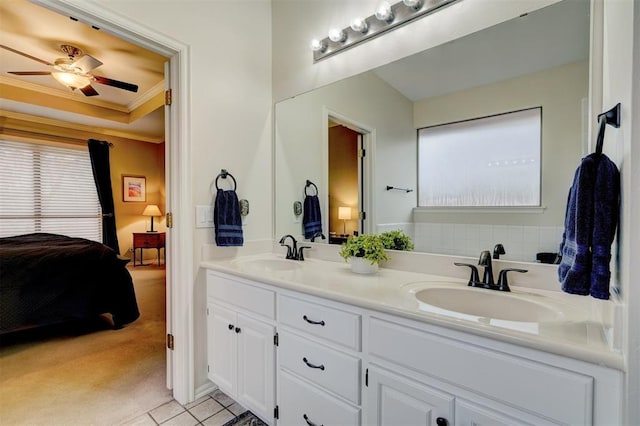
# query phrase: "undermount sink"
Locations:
[[487, 304], [270, 265]]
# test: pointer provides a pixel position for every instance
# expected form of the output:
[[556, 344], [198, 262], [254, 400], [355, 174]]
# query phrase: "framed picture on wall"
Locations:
[[134, 188]]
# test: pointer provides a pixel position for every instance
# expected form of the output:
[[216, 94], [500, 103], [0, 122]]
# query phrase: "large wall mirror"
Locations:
[[540, 60]]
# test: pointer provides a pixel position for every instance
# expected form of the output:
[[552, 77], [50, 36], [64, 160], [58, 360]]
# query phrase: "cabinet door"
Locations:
[[222, 352], [396, 400], [256, 366]]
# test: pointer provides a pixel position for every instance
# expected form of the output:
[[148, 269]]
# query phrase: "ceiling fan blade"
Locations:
[[42, 61], [89, 91], [86, 63], [30, 72], [115, 83]]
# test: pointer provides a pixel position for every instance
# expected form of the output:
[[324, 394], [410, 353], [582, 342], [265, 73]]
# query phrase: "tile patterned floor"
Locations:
[[214, 409]]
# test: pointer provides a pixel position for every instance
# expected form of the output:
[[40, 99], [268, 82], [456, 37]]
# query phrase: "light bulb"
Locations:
[[318, 45], [384, 12], [359, 25], [414, 4], [337, 35], [72, 80]]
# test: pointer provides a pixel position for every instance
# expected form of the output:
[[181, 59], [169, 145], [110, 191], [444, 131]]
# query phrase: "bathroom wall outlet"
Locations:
[[204, 216]]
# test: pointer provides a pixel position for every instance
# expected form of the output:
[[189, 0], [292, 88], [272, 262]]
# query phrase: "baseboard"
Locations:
[[204, 390]]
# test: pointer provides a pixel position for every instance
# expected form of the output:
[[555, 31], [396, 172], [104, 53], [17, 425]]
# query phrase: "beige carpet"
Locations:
[[88, 374]]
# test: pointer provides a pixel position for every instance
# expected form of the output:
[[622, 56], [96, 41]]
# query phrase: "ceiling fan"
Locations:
[[74, 71]]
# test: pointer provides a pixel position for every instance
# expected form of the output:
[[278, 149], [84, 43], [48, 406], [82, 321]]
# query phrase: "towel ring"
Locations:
[[309, 183], [223, 174]]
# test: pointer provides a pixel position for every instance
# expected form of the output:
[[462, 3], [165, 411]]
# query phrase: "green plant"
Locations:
[[368, 246], [396, 240]]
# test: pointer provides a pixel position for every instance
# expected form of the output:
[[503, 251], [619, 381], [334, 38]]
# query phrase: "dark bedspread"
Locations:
[[47, 278]]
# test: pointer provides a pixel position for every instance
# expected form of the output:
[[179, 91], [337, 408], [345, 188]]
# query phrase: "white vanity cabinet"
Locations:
[[467, 380], [240, 342], [338, 364], [319, 362]]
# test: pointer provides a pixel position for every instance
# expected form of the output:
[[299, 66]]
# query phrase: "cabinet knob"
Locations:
[[441, 421], [238, 329], [231, 326]]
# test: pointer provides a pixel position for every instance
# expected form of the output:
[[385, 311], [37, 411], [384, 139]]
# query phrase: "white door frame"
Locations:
[[368, 183], [180, 368]]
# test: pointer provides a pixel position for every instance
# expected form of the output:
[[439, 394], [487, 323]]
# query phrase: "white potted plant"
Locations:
[[364, 253]]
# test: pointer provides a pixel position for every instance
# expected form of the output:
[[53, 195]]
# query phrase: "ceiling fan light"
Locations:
[[72, 80]]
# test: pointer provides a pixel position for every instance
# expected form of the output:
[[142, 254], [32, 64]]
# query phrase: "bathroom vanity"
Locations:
[[312, 343]]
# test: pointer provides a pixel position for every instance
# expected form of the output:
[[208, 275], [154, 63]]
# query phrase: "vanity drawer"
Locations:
[[553, 392], [329, 368], [301, 403], [322, 321], [244, 296]]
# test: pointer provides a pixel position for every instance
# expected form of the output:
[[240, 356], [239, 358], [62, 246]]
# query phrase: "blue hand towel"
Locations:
[[590, 224], [606, 203], [227, 219], [312, 217]]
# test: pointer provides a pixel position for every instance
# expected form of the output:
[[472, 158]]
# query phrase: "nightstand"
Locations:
[[143, 240]]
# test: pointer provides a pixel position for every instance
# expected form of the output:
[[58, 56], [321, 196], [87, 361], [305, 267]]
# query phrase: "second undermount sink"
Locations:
[[487, 304], [270, 265]]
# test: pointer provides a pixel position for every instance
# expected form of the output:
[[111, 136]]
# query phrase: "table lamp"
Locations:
[[151, 210], [344, 214]]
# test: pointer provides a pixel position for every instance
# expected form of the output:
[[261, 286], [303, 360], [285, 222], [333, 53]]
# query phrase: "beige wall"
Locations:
[[559, 91], [138, 159]]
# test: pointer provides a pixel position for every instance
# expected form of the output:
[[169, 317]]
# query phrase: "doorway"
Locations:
[[349, 177], [179, 237]]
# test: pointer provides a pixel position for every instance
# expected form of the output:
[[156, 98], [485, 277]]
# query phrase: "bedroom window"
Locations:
[[491, 161], [47, 189]]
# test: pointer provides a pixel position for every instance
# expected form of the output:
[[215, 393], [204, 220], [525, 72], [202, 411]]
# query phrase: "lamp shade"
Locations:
[[151, 210], [344, 213]]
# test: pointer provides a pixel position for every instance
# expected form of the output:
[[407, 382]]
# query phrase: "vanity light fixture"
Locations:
[[387, 17]]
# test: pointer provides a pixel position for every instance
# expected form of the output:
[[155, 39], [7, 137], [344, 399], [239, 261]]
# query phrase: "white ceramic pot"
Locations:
[[360, 265]]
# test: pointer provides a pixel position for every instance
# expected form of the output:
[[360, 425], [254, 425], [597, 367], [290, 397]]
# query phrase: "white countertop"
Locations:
[[580, 334]]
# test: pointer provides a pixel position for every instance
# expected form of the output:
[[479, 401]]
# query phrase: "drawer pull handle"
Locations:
[[309, 422], [441, 421], [231, 326], [321, 367], [312, 321]]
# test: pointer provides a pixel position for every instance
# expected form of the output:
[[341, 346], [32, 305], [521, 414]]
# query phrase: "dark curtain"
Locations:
[[99, 152]]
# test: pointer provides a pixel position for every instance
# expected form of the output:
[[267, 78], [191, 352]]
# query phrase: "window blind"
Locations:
[[47, 189]]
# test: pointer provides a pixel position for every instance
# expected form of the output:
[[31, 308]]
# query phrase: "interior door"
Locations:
[[222, 348], [397, 400]]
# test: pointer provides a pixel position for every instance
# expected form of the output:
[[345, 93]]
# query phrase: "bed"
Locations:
[[49, 278]]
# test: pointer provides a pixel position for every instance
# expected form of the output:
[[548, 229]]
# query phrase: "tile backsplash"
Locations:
[[521, 243]]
